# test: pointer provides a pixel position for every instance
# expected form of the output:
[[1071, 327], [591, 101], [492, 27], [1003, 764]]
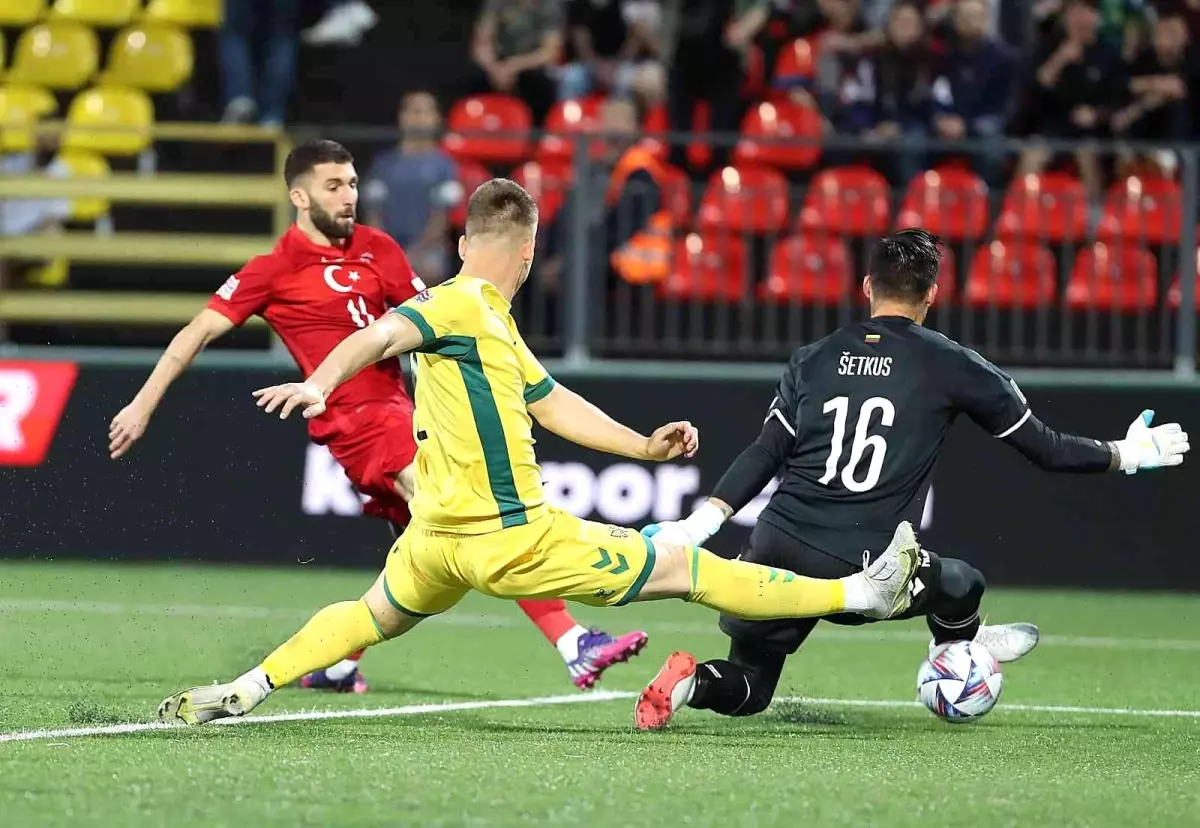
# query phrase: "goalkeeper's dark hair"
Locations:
[[905, 265], [301, 160]]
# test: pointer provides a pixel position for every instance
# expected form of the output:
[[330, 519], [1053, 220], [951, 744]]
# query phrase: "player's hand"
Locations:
[[290, 396], [126, 429], [1151, 448], [672, 440], [669, 531]]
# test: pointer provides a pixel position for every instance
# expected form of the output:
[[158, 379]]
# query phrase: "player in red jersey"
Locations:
[[327, 277]]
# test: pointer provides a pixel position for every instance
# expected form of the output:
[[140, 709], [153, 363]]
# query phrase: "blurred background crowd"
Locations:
[[738, 150]]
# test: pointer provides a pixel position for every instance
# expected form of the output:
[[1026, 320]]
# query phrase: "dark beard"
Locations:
[[330, 227]]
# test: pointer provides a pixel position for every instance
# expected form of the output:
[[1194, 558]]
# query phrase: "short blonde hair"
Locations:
[[500, 206]]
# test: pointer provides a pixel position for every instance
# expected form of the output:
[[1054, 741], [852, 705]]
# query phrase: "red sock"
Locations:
[[551, 617], [356, 656]]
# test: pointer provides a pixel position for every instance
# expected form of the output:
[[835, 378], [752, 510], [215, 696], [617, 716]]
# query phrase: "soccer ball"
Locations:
[[959, 681]]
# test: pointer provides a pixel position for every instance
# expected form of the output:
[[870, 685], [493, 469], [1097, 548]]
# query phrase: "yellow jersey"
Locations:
[[475, 468]]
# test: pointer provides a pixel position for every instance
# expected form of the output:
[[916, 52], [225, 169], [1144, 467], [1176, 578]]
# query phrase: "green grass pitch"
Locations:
[[1099, 727]]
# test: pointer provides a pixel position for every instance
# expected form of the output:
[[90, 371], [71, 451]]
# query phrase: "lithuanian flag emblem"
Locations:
[[872, 338]]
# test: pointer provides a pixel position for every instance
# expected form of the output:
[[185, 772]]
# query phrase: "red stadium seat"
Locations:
[[707, 268], [782, 134], [1105, 277], [1012, 274], [491, 129], [655, 126], [1046, 206], [1142, 210], [699, 151], [567, 118], [796, 64], [470, 175], [749, 199], [853, 201], [754, 74], [951, 203], [547, 185], [678, 195], [808, 269]]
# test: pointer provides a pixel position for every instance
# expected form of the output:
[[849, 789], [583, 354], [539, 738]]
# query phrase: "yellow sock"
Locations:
[[760, 593], [332, 634]]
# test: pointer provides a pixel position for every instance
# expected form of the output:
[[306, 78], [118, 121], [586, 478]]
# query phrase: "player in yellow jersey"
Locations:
[[480, 518]]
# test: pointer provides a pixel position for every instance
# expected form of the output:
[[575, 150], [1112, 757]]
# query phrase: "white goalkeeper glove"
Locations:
[[693, 530], [1151, 448]]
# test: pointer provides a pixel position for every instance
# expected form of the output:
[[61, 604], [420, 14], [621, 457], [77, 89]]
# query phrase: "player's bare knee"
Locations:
[[390, 621], [671, 577]]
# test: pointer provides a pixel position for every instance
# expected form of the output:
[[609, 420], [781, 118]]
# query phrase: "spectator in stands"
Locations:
[[707, 65], [515, 46], [617, 48], [343, 24], [1159, 101], [975, 86], [248, 93], [410, 189], [902, 71], [1122, 22], [1072, 98], [844, 88]]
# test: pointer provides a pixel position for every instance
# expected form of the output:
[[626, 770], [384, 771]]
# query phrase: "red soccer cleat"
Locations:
[[670, 690]]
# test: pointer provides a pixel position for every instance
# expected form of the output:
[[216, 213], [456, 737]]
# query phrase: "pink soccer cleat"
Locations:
[[598, 651], [353, 683], [670, 690]]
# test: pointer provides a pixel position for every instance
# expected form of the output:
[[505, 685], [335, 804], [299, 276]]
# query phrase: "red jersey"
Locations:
[[313, 297]]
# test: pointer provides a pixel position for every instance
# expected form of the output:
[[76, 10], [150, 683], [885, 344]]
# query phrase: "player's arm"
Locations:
[[131, 421], [991, 398], [753, 469], [573, 418], [389, 336]]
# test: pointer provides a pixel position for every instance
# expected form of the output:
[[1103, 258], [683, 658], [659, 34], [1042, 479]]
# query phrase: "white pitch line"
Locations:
[[321, 715], [1015, 708], [864, 635], [547, 701]]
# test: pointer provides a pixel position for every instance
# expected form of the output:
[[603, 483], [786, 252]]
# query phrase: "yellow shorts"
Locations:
[[556, 556]]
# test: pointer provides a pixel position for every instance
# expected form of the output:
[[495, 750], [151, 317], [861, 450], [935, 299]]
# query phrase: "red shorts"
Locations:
[[374, 444]]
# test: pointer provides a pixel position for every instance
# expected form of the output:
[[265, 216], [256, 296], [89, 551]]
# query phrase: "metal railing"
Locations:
[[1038, 273]]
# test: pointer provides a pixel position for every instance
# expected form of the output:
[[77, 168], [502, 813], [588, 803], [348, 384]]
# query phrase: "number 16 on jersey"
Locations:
[[839, 407]]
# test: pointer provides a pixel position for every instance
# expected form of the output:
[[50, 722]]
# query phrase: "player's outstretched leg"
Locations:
[[329, 636], [587, 653], [879, 591], [954, 615], [759, 593]]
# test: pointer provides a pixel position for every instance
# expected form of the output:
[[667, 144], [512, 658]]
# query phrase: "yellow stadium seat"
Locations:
[[17, 117], [191, 14], [154, 58], [21, 12], [84, 164], [34, 98], [110, 120], [109, 13], [61, 54]]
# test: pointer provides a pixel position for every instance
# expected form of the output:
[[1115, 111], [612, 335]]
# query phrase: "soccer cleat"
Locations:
[[888, 578], [598, 651], [671, 689], [1006, 642], [356, 682], [199, 705]]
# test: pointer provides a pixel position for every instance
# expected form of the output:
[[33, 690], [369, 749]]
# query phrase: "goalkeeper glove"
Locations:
[[693, 530], [1151, 448]]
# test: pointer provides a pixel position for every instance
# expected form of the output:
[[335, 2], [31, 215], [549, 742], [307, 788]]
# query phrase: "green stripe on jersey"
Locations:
[[539, 390], [491, 438]]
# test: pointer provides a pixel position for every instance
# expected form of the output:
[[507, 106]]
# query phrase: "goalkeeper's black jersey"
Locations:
[[867, 409]]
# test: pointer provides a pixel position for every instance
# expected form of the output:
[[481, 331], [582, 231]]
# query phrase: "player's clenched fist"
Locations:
[[672, 440], [290, 396]]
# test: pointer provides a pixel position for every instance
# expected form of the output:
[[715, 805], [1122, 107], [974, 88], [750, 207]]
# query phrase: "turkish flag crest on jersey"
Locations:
[[33, 396]]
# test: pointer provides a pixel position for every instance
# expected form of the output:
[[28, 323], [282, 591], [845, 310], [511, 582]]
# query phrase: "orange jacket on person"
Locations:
[[645, 257]]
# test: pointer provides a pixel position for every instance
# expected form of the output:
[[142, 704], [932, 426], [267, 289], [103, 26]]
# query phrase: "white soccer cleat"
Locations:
[[200, 705], [1006, 642], [671, 689], [888, 578]]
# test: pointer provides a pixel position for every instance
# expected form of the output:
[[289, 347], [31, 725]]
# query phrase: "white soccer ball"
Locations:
[[959, 681]]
